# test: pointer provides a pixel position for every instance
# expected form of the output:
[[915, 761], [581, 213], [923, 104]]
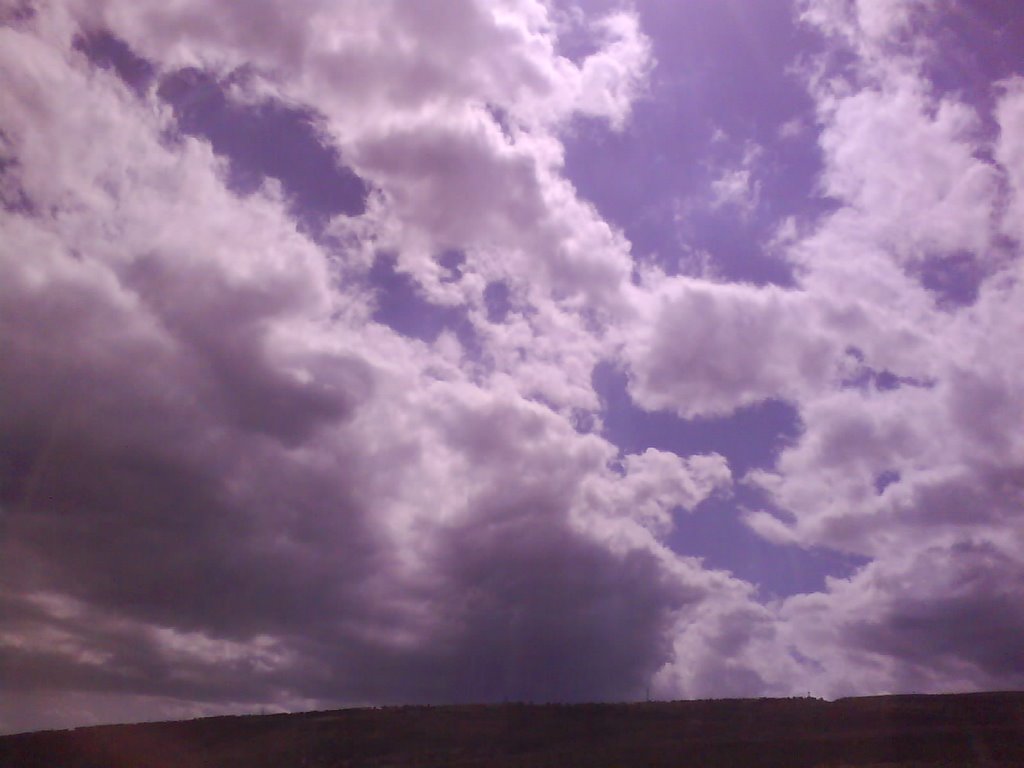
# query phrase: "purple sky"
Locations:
[[366, 353]]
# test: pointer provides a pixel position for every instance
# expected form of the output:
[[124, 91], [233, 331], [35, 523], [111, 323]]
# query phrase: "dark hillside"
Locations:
[[952, 730]]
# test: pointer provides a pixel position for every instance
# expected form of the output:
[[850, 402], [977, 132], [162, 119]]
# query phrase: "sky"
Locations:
[[357, 352]]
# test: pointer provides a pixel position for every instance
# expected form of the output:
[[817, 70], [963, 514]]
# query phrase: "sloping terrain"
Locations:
[[951, 730]]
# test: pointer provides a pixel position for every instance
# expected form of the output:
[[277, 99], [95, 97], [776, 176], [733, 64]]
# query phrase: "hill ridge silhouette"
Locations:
[[898, 731]]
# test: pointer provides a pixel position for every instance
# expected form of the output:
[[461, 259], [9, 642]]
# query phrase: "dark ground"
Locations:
[[956, 730]]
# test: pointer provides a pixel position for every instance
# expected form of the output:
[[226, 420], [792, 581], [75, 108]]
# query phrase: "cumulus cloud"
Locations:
[[905, 387], [917, 469], [705, 348], [224, 484], [873, 135], [227, 481]]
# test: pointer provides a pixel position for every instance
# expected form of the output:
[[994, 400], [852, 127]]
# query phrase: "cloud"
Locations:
[[738, 186], [867, 26], [915, 176], [227, 481], [707, 349], [224, 484], [905, 391], [873, 135], [1010, 152], [934, 619]]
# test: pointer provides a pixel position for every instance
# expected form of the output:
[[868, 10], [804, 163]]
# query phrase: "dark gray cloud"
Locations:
[[520, 605], [195, 509], [973, 614]]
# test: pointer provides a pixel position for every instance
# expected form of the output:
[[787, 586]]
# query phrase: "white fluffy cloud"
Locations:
[[224, 484], [908, 393], [915, 461], [702, 348]]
